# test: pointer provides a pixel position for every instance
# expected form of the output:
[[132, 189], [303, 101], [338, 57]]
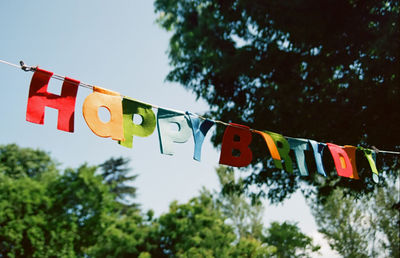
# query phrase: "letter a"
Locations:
[[112, 102]]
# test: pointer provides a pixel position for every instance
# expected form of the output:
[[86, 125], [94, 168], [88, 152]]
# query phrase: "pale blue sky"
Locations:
[[115, 45]]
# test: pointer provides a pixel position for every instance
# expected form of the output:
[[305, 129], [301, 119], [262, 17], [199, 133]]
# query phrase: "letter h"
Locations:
[[39, 98]]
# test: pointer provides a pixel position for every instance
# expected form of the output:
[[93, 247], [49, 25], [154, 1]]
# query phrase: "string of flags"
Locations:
[[122, 128]]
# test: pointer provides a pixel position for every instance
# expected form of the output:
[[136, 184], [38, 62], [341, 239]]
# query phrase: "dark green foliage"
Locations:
[[82, 203], [76, 214], [279, 240], [364, 227], [324, 70], [44, 213], [196, 228], [126, 236], [20, 162], [289, 240], [244, 216], [115, 173]]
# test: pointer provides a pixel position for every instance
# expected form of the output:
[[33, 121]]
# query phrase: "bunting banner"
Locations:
[[235, 148]]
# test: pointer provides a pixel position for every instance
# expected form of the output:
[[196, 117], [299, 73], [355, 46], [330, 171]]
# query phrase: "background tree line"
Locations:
[[90, 211]]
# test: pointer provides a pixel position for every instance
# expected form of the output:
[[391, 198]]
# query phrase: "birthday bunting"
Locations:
[[235, 149], [112, 102], [131, 107], [299, 146], [283, 148], [318, 149], [168, 135], [176, 127], [200, 130], [39, 98]]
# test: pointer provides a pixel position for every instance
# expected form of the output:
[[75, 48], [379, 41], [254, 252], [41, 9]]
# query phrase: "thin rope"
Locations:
[[7, 63], [89, 86]]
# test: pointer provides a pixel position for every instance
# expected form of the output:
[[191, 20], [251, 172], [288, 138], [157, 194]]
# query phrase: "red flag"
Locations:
[[242, 145], [39, 98]]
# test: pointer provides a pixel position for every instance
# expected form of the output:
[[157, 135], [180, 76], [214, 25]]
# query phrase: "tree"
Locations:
[[19, 162], [126, 236], [364, 227], [283, 239], [82, 204], [289, 240], [244, 216], [45, 213], [194, 229], [324, 70], [115, 173], [76, 214], [24, 208]]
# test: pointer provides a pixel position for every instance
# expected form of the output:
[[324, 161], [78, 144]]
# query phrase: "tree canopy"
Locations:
[[323, 70], [364, 227], [78, 213]]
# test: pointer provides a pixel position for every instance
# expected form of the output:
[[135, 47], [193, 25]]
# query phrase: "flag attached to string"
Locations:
[[177, 127]]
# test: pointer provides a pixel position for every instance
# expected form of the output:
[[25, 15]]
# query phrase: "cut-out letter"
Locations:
[[284, 148], [131, 107], [229, 144], [200, 130], [39, 98], [167, 135], [318, 149], [299, 146], [351, 153], [369, 154], [273, 150], [343, 164], [112, 102]]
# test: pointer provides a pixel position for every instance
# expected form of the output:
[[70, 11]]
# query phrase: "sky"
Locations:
[[115, 45]]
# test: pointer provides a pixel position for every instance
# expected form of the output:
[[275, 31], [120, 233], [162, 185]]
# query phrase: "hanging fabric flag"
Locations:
[[131, 107], [370, 155], [39, 98], [167, 135], [112, 102], [318, 149], [199, 132], [229, 145], [273, 150], [351, 153], [342, 161], [299, 146], [284, 148]]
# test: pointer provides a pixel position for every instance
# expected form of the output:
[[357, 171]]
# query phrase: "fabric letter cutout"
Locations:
[[318, 149], [351, 153], [299, 146], [271, 146], [39, 98], [242, 145], [369, 154], [199, 133], [112, 102], [167, 135], [284, 148], [147, 126], [342, 161]]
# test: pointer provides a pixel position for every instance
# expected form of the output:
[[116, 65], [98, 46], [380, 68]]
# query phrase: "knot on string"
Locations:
[[26, 68]]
